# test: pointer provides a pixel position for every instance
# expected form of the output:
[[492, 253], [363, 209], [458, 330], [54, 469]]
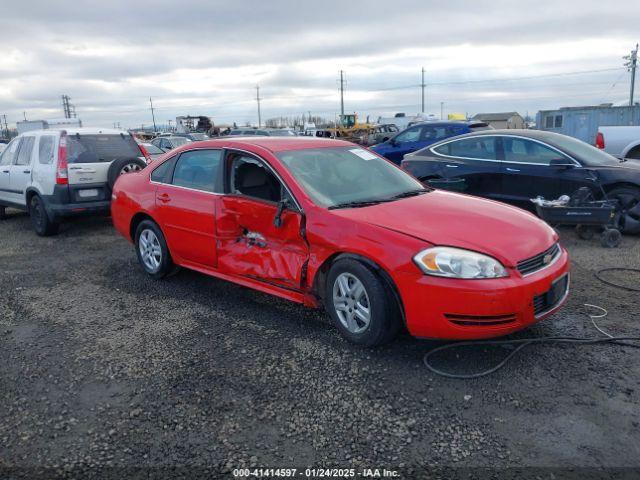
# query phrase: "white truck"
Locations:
[[621, 142]]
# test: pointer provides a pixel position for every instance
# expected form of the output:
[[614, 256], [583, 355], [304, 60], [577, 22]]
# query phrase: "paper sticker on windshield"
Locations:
[[363, 154]]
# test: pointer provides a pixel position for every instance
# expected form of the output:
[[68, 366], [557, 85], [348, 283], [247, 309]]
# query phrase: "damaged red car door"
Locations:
[[259, 225]]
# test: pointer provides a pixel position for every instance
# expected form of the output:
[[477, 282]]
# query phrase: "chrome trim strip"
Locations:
[[559, 302], [553, 260], [431, 149]]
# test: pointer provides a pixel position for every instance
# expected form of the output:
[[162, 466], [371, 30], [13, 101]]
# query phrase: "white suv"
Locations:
[[59, 173]]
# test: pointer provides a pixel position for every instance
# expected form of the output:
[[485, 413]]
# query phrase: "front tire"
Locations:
[[360, 304], [41, 222], [152, 251], [629, 208]]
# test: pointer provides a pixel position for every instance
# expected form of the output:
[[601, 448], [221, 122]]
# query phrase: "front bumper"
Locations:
[[446, 308]]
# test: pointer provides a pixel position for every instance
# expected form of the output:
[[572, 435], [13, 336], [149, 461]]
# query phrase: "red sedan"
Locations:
[[326, 223]]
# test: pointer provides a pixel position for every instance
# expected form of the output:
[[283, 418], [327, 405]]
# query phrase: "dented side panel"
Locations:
[[250, 245]]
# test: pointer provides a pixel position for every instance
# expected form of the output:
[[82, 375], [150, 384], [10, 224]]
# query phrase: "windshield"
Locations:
[[588, 154], [152, 149], [199, 136], [282, 133], [334, 176], [100, 148], [177, 141]]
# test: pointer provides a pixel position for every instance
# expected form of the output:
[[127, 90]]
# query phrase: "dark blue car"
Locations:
[[422, 135]]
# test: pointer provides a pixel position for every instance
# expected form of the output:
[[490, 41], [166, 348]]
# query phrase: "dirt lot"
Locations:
[[102, 367]]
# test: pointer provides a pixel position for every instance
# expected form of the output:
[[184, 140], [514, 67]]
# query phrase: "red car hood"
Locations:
[[444, 218]]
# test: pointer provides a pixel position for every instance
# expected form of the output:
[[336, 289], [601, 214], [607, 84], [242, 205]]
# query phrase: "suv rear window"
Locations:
[[100, 148]]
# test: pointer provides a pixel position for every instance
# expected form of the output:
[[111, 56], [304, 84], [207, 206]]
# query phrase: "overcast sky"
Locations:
[[207, 57]]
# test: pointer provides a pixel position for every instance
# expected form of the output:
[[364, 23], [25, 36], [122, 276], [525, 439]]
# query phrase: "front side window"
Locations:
[[334, 176], [483, 148], [24, 156], [46, 149], [520, 150], [431, 134], [198, 170], [250, 177], [9, 152]]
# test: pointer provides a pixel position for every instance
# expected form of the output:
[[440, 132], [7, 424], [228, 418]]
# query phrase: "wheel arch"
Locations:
[[632, 148], [612, 186], [136, 220], [319, 280]]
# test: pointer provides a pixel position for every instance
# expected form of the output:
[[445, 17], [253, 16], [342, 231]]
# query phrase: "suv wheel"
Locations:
[[629, 208], [152, 250], [360, 304], [122, 166], [43, 226]]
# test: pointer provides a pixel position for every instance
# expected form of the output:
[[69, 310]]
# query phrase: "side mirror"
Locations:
[[393, 142], [282, 206], [561, 163]]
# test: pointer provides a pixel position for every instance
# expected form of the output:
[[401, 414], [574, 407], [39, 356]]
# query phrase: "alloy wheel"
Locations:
[[351, 303], [129, 168], [150, 250]]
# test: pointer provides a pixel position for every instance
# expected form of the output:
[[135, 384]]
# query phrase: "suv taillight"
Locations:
[[600, 141], [144, 153], [62, 173]]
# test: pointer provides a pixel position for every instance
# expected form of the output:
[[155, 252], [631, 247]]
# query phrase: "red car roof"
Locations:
[[277, 144]]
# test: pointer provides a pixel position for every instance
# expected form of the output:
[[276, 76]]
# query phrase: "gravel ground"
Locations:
[[103, 370]]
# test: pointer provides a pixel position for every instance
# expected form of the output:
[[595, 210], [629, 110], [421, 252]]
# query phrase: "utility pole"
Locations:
[[441, 110], [422, 85], [68, 109], [342, 83], [153, 115], [6, 127], [258, 100], [631, 66]]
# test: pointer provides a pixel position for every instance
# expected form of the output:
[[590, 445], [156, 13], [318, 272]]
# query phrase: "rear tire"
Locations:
[[628, 208], [585, 232], [41, 222], [152, 251], [610, 238], [360, 304]]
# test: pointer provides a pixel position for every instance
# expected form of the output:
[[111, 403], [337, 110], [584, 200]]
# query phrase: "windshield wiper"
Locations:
[[366, 203], [410, 193], [363, 203]]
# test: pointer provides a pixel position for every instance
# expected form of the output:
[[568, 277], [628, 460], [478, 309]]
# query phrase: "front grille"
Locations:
[[480, 320], [540, 261], [551, 298]]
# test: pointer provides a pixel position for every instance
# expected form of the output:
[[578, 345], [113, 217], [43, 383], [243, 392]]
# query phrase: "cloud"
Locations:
[[207, 57]]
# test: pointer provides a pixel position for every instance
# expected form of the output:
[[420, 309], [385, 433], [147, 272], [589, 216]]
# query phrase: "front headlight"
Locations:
[[458, 263]]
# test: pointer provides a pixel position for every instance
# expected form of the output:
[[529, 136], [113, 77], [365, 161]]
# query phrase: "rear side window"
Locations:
[[431, 134], [198, 169], [410, 135], [24, 156], [100, 148], [45, 149], [160, 173], [483, 148], [9, 152]]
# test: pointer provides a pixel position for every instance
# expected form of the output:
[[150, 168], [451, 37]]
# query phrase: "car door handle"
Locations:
[[26, 171], [164, 198], [5, 171], [512, 169], [451, 166]]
